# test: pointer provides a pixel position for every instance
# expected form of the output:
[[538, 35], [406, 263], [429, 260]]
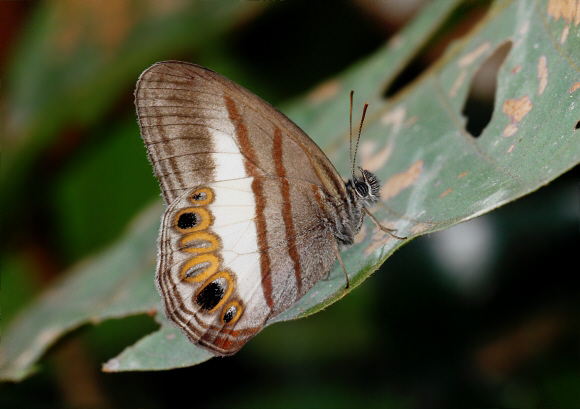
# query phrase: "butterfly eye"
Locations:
[[362, 188]]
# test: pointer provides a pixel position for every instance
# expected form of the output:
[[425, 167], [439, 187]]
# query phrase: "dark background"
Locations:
[[484, 314]]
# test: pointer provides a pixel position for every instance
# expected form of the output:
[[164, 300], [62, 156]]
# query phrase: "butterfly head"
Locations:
[[366, 187]]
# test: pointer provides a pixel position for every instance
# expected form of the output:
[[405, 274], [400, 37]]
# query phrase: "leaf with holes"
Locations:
[[443, 154]]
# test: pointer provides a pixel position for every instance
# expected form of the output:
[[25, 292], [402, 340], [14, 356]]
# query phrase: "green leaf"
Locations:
[[115, 283], [158, 351], [435, 173]]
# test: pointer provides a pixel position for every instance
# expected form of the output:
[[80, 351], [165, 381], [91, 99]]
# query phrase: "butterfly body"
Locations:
[[255, 209]]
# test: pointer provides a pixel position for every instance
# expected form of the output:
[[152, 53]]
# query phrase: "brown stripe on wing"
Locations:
[[262, 233], [329, 178], [250, 159], [318, 198], [290, 231], [249, 163], [226, 341]]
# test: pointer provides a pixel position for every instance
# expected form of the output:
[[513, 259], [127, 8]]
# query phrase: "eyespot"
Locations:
[[187, 220], [232, 312], [201, 196], [199, 268], [200, 242], [210, 295], [192, 219], [215, 292]]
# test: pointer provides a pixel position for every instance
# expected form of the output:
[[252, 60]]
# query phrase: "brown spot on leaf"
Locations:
[[396, 117], [564, 35], [378, 160], [366, 149], [569, 10], [400, 181], [457, 84], [376, 243], [575, 87], [151, 312], [462, 174], [379, 238], [324, 92], [511, 148], [516, 109], [510, 130], [468, 59], [445, 193], [420, 228], [542, 74], [360, 236], [516, 69]]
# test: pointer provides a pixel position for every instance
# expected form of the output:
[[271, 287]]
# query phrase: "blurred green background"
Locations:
[[483, 314]]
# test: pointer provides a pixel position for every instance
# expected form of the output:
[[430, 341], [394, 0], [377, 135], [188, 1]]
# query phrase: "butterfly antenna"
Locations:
[[351, 161], [358, 138]]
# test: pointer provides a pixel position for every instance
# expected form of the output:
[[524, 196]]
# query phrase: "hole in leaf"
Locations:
[[577, 125], [459, 22], [480, 100]]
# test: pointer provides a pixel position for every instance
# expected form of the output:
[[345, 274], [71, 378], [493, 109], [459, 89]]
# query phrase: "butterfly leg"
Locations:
[[337, 252], [383, 228]]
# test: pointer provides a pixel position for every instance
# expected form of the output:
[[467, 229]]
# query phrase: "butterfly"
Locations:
[[256, 213]]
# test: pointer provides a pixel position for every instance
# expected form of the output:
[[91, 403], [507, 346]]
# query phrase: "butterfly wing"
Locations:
[[187, 112], [219, 282], [246, 231]]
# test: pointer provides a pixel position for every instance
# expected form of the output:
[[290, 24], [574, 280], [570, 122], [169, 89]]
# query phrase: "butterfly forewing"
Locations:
[[246, 232], [186, 111]]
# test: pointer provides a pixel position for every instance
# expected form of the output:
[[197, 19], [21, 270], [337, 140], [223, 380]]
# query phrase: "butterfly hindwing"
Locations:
[[211, 270]]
